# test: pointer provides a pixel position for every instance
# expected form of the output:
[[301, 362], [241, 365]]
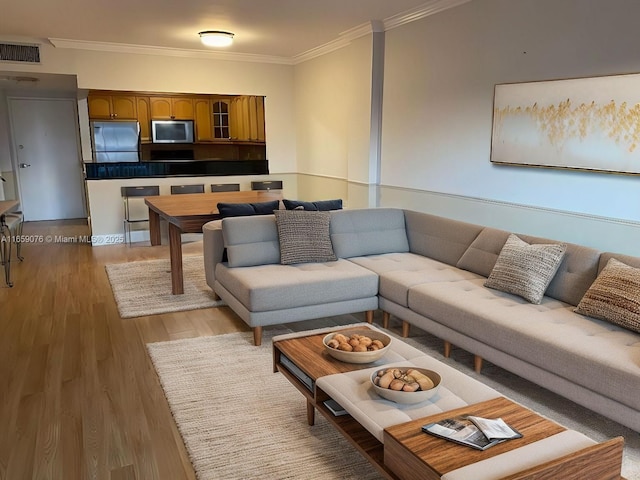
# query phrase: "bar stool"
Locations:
[[10, 228], [225, 187], [267, 185], [133, 215], [178, 189]]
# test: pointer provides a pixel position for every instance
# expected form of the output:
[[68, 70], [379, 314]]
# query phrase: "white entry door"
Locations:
[[49, 169]]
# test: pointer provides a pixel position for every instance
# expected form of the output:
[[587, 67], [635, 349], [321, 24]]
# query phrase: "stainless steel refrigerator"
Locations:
[[115, 141]]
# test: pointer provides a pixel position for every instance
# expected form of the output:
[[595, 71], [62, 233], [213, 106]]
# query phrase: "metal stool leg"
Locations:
[[5, 251], [19, 241]]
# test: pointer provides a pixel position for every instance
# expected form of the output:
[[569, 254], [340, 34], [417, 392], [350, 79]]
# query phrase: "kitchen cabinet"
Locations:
[[203, 120], [247, 118], [169, 108], [112, 107], [144, 119], [221, 118]]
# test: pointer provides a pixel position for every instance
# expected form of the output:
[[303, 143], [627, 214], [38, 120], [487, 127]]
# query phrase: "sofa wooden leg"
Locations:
[[406, 327], [369, 316], [257, 336], [447, 349], [477, 363], [386, 316]]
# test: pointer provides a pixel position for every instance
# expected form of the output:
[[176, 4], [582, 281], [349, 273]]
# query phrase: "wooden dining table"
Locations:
[[187, 213]]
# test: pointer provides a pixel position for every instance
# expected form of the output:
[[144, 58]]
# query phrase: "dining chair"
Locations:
[[267, 185], [135, 210], [178, 189], [225, 187]]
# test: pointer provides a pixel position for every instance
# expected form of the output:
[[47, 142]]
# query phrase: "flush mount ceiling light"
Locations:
[[216, 38]]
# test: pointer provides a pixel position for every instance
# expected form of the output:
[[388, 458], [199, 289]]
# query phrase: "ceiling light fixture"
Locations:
[[216, 38]]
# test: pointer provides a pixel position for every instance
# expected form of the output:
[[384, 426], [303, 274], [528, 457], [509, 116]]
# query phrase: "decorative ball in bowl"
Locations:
[[406, 384], [357, 346]]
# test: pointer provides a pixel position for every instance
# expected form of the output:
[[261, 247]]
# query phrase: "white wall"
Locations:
[[333, 112], [440, 74]]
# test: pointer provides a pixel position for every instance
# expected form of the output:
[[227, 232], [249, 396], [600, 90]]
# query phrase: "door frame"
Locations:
[[14, 150]]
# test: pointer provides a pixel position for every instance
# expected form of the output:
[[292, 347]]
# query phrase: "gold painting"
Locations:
[[586, 124]]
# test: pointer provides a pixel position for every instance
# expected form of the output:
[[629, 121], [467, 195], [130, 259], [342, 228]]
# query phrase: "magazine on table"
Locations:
[[475, 432]]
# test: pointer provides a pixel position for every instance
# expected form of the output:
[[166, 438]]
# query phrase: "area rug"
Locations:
[[144, 288], [240, 420]]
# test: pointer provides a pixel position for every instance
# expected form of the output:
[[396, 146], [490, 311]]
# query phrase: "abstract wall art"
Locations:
[[586, 124]]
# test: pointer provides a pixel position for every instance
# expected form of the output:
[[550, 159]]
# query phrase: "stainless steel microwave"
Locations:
[[172, 131]]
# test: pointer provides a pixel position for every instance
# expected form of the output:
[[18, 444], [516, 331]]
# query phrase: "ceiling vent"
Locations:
[[19, 52]]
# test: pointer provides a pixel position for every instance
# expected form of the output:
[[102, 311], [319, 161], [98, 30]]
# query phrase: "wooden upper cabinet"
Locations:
[[112, 107], [247, 118], [144, 119], [169, 108], [215, 117], [221, 118], [203, 117]]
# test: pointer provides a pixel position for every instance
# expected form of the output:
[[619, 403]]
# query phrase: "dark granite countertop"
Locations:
[[173, 168]]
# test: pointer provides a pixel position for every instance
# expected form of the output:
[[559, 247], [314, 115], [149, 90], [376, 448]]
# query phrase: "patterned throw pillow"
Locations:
[[614, 296], [525, 270], [304, 236]]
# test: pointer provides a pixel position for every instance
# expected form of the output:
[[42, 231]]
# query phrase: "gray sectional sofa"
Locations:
[[429, 271]]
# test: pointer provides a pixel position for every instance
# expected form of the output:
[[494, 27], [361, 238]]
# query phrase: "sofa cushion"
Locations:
[[278, 287], [439, 238], [247, 209], [320, 205], [626, 259], [399, 272], [525, 270], [593, 353], [614, 296], [304, 236], [369, 231], [251, 240], [576, 272], [483, 252]]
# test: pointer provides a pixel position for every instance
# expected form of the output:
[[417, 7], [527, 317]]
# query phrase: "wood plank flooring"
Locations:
[[79, 398]]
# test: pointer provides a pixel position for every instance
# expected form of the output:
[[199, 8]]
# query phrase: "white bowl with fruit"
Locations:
[[357, 346], [406, 384]]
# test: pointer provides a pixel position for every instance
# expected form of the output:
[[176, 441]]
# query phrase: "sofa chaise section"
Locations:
[[262, 291]]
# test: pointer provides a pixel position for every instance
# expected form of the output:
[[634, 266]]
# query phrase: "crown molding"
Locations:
[[426, 9], [345, 38], [166, 51]]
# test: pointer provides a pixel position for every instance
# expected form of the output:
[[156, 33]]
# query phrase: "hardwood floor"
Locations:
[[79, 398]]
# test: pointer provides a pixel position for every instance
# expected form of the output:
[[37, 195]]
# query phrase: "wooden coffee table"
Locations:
[[414, 455], [410, 454]]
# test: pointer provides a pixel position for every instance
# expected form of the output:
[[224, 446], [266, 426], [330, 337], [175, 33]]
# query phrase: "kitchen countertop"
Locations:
[[172, 168]]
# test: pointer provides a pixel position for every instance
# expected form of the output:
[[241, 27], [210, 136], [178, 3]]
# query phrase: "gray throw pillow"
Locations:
[[526, 270], [304, 236], [614, 296]]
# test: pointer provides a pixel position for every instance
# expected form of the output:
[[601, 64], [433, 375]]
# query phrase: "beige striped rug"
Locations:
[[144, 288], [239, 420]]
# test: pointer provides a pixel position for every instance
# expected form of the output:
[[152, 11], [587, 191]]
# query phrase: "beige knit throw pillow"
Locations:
[[526, 270]]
